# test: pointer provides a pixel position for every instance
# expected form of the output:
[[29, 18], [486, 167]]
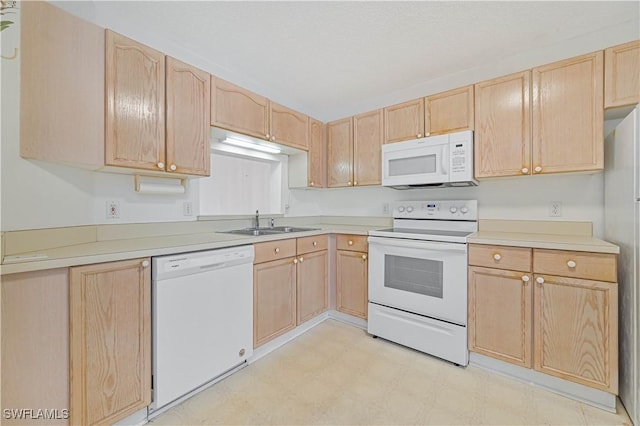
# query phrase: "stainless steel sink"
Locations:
[[268, 231]]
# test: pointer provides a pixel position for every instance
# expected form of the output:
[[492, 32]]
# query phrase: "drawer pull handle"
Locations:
[[540, 280], [301, 259], [277, 250], [537, 169], [525, 279], [295, 261], [571, 264], [350, 242], [315, 243], [497, 257], [364, 257], [145, 263]]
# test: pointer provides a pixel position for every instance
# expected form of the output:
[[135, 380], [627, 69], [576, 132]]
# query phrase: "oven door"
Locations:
[[423, 277], [417, 162]]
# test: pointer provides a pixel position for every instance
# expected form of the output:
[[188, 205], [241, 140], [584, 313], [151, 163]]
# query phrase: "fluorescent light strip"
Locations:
[[250, 145]]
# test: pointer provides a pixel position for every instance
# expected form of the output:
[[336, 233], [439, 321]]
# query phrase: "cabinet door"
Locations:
[[568, 115], [367, 148], [135, 122], [404, 121], [316, 156], [622, 75], [35, 343], [340, 153], [576, 330], [274, 299], [237, 109], [289, 127], [188, 104], [312, 285], [351, 283], [447, 112], [502, 126], [500, 314], [110, 334]]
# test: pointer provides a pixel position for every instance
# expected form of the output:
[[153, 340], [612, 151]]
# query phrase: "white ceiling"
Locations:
[[322, 56]]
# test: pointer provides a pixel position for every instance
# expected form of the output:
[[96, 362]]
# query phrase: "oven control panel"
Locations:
[[442, 209]]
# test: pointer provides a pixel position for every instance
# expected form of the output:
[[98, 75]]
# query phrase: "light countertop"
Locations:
[[545, 241]]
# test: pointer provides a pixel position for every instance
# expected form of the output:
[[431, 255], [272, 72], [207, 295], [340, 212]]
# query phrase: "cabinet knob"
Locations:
[[355, 183], [301, 259], [571, 264], [311, 183], [273, 138], [525, 279], [497, 257], [277, 250], [315, 243], [267, 135], [426, 134], [349, 183], [364, 257], [525, 171], [145, 263], [173, 167], [350, 242], [419, 135], [540, 280], [537, 169], [295, 261], [161, 165]]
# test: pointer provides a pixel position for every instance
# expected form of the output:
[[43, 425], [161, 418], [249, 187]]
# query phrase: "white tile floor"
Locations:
[[336, 374]]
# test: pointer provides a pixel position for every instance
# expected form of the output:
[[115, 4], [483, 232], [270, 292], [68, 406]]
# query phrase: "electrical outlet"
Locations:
[[113, 209], [555, 209], [385, 208], [187, 208]]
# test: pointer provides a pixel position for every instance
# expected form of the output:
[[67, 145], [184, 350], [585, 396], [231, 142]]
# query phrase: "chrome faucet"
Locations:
[[257, 220]]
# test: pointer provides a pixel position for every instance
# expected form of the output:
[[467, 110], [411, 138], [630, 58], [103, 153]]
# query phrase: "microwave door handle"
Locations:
[[445, 159]]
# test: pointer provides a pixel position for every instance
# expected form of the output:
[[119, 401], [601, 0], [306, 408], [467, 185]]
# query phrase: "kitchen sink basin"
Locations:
[[268, 231]]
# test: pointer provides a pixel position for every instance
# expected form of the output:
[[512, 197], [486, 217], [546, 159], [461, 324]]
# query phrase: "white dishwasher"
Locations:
[[202, 319]]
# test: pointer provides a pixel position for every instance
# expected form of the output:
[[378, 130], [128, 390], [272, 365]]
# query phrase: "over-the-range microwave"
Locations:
[[436, 161]]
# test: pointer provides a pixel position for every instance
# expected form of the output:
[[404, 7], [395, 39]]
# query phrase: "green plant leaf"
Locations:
[[5, 24]]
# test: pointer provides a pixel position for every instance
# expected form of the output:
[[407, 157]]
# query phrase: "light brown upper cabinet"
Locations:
[[289, 127], [367, 148], [340, 153], [135, 76], [404, 121], [316, 158], [622, 75], [502, 126], [237, 109], [116, 92], [187, 115], [450, 111], [568, 115]]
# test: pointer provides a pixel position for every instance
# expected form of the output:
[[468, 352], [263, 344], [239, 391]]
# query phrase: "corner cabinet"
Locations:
[[622, 75], [110, 341], [568, 115], [316, 169], [352, 275], [367, 148], [312, 277], [551, 310]]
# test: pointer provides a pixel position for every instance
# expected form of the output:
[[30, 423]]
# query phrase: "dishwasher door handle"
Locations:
[[213, 266]]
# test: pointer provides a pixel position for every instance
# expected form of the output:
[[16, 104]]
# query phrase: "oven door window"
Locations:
[[423, 164], [420, 276]]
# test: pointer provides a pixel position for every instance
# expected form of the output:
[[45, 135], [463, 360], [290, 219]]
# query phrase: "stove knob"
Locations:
[[464, 210], [409, 209], [453, 209], [401, 209]]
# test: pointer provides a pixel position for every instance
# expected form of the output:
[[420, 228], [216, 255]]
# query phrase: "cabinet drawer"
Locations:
[[576, 264], [500, 257], [274, 250], [311, 244], [351, 242]]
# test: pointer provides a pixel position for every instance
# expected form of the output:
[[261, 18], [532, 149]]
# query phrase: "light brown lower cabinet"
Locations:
[[572, 332], [312, 277], [110, 341], [274, 299], [352, 275]]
